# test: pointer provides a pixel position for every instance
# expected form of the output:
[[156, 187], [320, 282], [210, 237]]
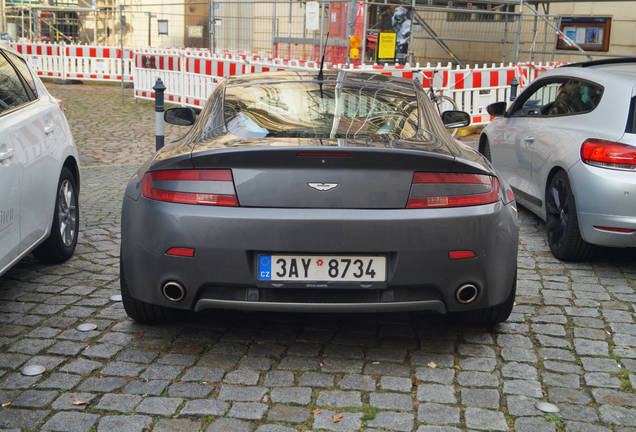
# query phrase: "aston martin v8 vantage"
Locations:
[[338, 193]]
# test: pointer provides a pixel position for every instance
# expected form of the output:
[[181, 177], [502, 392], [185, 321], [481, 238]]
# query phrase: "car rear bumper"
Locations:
[[222, 274], [599, 191]]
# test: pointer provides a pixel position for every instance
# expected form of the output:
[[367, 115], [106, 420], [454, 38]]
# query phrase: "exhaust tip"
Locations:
[[173, 291], [466, 293]]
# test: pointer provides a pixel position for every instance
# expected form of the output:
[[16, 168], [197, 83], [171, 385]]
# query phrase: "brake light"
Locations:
[[452, 190], [608, 154], [212, 187]]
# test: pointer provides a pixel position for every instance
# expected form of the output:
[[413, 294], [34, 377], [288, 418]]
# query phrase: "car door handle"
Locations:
[[48, 130], [7, 154], [529, 139]]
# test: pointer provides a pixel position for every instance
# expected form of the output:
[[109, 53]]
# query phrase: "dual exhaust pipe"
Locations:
[[175, 292], [466, 293]]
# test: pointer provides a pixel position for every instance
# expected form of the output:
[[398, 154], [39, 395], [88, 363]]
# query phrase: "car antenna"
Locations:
[[322, 60]]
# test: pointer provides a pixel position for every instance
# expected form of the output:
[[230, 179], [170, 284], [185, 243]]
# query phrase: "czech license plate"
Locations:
[[322, 268]]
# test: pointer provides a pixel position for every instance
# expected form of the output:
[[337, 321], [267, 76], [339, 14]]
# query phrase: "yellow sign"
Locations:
[[195, 31], [386, 46]]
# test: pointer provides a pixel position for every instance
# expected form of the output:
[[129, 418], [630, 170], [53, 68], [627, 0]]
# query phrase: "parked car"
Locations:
[[340, 193], [39, 175], [567, 147]]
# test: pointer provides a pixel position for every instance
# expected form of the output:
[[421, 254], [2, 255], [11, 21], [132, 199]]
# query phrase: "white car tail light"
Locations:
[[608, 154], [203, 187], [452, 190]]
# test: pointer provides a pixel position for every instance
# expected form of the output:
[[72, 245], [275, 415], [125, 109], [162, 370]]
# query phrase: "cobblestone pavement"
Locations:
[[569, 341]]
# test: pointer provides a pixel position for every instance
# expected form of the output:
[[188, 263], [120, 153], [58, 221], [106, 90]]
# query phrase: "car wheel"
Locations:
[[488, 317], [484, 148], [562, 226], [65, 227], [142, 312]]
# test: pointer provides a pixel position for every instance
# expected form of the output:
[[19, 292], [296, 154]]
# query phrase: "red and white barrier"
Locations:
[[191, 74]]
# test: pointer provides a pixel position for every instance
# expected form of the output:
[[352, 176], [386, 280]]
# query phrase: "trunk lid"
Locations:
[[314, 173]]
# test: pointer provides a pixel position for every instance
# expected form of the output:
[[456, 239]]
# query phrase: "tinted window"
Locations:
[[631, 119], [315, 110], [12, 91], [23, 69], [562, 97]]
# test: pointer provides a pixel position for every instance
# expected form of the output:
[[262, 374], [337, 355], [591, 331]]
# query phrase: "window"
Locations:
[[23, 70], [12, 91], [315, 110], [559, 97], [476, 11]]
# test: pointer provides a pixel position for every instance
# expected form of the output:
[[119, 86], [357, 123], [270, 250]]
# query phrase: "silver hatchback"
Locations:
[[567, 147]]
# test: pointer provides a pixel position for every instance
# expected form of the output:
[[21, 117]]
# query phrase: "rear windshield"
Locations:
[[312, 109]]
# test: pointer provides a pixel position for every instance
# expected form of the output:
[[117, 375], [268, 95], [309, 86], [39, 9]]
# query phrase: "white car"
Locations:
[[567, 147], [39, 172]]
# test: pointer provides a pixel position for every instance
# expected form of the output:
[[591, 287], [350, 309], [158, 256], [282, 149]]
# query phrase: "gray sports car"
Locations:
[[338, 193]]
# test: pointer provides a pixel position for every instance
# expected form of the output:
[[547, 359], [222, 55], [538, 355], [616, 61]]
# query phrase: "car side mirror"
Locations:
[[497, 109], [179, 116], [455, 119]]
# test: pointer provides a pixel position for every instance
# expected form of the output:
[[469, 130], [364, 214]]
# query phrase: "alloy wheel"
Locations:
[[67, 213]]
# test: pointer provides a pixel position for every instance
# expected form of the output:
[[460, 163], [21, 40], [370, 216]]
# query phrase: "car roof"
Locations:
[[621, 72], [350, 77]]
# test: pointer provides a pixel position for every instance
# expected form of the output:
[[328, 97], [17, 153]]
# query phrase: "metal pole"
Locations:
[[213, 28], [504, 51], [210, 25], [322, 12], [159, 88], [545, 33], [149, 25], [515, 51], [534, 36], [289, 26], [4, 16], [273, 26], [411, 47], [121, 47], [95, 29], [22, 17]]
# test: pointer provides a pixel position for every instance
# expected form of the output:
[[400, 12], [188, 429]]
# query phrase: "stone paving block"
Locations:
[[21, 418], [200, 373], [153, 387], [435, 375], [242, 394], [528, 388], [274, 428], [316, 379], [391, 401], [348, 423], [294, 395], [482, 398], [248, 410], [534, 424], [65, 401], [393, 421], [434, 413], [279, 379], [205, 407], [34, 398], [129, 423], [478, 418], [229, 425], [435, 393], [159, 405], [118, 402], [190, 390], [177, 425], [102, 385], [288, 414], [161, 372], [339, 399], [242, 376], [396, 384], [357, 382], [71, 421], [120, 368]]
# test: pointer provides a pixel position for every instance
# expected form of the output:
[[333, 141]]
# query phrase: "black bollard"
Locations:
[[514, 85], [159, 88]]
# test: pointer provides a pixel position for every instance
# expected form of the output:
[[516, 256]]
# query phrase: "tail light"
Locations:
[[439, 190], [203, 187], [608, 154]]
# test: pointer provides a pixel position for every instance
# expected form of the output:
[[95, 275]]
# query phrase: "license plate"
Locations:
[[322, 268]]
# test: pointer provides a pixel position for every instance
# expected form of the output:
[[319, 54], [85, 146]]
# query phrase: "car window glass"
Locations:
[[562, 97], [12, 92], [315, 110], [23, 69]]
